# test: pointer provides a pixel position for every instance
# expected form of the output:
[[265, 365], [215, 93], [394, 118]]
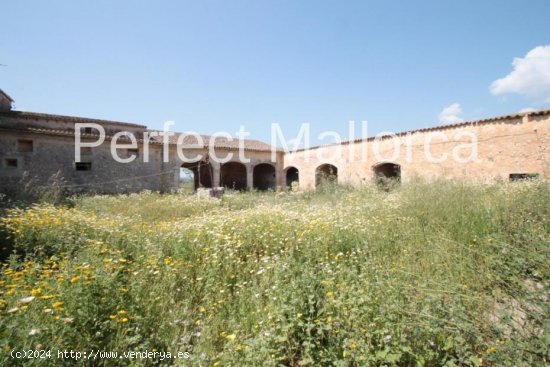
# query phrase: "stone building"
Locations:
[[37, 149], [503, 148]]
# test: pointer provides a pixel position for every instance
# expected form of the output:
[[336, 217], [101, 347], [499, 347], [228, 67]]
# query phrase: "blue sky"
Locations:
[[216, 65]]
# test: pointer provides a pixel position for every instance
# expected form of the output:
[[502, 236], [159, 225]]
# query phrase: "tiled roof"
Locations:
[[73, 119], [6, 95], [444, 127], [56, 132], [219, 142]]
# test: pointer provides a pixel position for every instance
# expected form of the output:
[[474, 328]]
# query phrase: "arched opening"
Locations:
[[233, 175], [264, 177], [387, 172], [326, 173], [199, 173], [292, 175]]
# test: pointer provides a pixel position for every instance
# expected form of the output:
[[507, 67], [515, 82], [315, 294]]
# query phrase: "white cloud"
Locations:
[[527, 109], [451, 114], [530, 77], [291, 142]]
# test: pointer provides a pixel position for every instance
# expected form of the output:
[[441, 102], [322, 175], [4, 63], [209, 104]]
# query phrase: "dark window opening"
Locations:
[[387, 175], [87, 130], [292, 175], [522, 176], [264, 177], [326, 174], [234, 176], [25, 146], [83, 166], [11, 163], [387, 170], [200, 173]]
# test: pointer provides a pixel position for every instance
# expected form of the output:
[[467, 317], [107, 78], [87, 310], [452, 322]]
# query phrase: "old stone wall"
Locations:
[[34, 149], [54, 156], [504, 146], [36, 158]]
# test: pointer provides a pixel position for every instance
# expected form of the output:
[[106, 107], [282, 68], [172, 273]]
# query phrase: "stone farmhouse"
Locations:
[[36, 148]]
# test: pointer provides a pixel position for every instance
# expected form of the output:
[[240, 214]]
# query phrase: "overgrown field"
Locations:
[[428, 274]]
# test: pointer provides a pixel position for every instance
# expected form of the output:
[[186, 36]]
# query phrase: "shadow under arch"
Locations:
[[202, 173], [386, 174], [233, 176], [292, 174], [326, 173], [264, 177]]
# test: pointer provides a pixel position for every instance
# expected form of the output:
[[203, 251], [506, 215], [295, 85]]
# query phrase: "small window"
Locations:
[[11, 163], [522, 176], [25, 146], [85, 150], [87, 130], [131, 152], [83, 166]]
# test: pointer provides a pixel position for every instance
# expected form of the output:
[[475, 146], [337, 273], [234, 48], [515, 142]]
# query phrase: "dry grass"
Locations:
[[429, 274]]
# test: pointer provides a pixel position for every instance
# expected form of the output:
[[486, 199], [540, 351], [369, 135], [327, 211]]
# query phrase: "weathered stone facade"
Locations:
[[506, 146], [36, 148]]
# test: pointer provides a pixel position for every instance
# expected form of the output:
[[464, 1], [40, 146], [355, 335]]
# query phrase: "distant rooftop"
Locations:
[[444, 127], [73, 119], [6, 95], [220, 142]]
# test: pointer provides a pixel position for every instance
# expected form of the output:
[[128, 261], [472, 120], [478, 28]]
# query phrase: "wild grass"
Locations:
[[428, 274]]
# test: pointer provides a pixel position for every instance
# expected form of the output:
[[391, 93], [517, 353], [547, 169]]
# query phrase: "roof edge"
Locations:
[[6, 95], [47, 116], [66, 133], [439, 127]]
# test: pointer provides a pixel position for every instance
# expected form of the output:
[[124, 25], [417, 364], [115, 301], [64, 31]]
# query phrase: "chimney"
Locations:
[[5, 101]]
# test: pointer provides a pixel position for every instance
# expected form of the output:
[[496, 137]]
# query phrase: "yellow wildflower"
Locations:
[[36, 291]]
